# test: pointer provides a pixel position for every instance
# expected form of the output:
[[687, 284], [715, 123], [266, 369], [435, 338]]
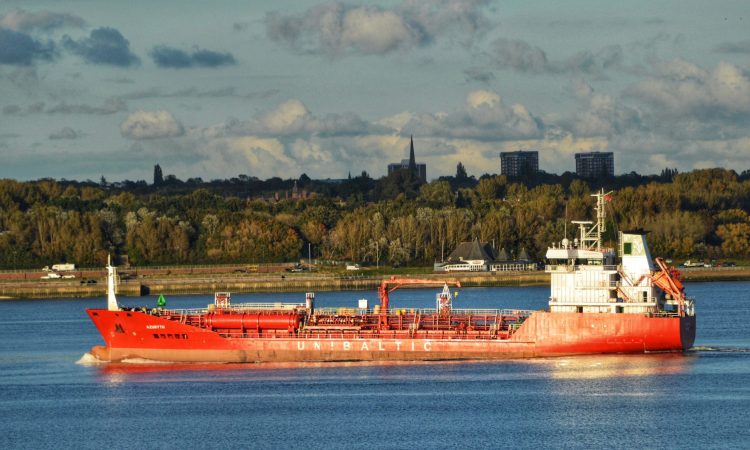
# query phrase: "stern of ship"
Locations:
[[687, 331]]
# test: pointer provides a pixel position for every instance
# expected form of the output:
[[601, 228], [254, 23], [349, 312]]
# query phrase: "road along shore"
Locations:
[[92, 284]]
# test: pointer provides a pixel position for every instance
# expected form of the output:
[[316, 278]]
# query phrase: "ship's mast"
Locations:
[[592, 237], [111, 299], [600, 218]]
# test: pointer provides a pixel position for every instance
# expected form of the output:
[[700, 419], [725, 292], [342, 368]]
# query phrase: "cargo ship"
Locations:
[[599, 303]]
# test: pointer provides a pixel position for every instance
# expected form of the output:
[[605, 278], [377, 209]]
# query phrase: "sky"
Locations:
[[280, 88]]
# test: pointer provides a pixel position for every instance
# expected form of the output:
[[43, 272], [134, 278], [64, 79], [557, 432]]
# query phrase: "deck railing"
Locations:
[[374, 334], [423, 311], [345, 310]]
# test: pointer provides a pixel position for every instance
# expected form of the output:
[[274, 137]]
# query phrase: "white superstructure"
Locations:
[[586, 278]]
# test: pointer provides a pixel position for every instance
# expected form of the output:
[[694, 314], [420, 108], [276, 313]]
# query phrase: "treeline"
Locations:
[[394, 220]]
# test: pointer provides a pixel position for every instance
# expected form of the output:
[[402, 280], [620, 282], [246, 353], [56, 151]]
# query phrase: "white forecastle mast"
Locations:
[[111, 299]]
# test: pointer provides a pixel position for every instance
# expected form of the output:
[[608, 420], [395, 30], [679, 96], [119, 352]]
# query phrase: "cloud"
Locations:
[[601, 115], [484, 117], [193, 92], [261, 157], [684, 103], [20, 49], [477, 74], [12, 110], [110, 106], [240, 26], [21, 20], [589, 62], [151, 125], [651, 152], [35, 108], [292, 119], [66, 133], [260, 152], [279, 141], [209, 58], [682, 89], [337, 29], [121, 80], [23, 79], [682, 116], [105, 46], [173, 58], [521, 56], [266, 157], [742, 47], [478, 99]]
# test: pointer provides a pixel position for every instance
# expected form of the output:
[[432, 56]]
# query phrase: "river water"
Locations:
[[50, 397]]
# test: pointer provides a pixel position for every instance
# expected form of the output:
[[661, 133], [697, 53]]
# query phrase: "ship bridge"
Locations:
[[585, 277]]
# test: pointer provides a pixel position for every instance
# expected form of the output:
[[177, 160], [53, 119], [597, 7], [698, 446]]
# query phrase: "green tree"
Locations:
[[158, 176]]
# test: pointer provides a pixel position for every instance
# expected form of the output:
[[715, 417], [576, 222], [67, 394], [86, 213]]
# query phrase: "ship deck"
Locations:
[[348, 323]]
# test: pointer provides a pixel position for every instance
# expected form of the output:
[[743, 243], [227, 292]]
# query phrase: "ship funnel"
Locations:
[[111, 299]]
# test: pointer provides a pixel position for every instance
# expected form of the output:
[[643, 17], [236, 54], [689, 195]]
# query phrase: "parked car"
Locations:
[[690, 263]]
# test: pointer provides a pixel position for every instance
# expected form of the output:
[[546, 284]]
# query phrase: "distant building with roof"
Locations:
[[519, 163], [470, 257], [595, 164], [478, 256], [504, 263], [410, 164]]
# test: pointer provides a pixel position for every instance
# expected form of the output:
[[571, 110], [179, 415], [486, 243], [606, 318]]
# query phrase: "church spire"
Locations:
[[412, 160]]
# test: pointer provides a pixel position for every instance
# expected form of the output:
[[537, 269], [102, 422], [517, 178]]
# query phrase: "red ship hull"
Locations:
[[132, 334]]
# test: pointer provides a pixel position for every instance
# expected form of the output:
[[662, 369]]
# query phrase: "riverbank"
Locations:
[[245, 283], [209, 281]]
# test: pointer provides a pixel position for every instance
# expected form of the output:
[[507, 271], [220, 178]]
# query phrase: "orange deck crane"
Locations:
[[668, 279], [389, 285]]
